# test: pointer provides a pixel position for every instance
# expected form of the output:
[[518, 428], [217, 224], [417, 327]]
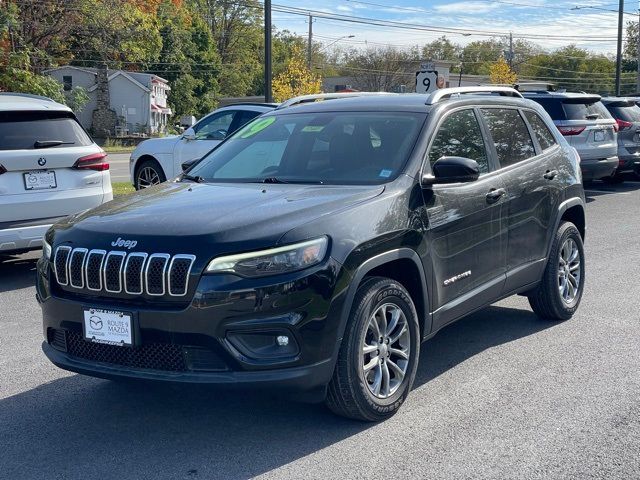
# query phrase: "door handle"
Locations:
[[550, 174], [495, 194]]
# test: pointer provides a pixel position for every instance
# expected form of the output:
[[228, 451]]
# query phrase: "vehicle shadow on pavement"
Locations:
[[81, 427], [597, 189], [17, 272]]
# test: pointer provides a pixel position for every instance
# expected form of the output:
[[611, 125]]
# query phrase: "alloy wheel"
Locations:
[[569, 271], [148, 177], [385, 351]]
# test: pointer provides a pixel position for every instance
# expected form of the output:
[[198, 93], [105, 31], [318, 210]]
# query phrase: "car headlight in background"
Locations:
[[273, 261], [46, 249]]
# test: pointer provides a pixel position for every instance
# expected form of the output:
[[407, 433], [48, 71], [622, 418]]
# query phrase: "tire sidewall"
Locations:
[[568, 230], [150, 164], [384, 291]]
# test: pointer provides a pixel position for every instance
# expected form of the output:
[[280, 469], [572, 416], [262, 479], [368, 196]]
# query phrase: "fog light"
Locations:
[[282, 340]]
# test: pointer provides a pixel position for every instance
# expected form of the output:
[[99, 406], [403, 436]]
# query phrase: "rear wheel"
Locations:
[[148, 174], [559, 294], [379, 353]]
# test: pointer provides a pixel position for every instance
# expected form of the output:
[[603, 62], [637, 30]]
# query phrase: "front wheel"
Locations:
[[559, 294], [148, 174], [379, 353]]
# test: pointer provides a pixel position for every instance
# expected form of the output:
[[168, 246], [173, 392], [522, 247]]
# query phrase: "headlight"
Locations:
[[289, 258], [46, 249]]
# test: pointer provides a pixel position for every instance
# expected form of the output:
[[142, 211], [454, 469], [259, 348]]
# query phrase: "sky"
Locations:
[[551, 24]]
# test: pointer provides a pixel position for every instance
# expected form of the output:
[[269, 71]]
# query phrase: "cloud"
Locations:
[[466, 7]]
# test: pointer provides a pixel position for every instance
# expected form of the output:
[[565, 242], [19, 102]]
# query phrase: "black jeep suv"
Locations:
[[318, 246]]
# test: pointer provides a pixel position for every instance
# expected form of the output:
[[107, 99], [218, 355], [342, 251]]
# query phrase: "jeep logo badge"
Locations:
[[128, 244], [42, 161]]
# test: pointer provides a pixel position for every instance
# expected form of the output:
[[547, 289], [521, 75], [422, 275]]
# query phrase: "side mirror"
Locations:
[[189, 134], [452, 170], [188, 164]]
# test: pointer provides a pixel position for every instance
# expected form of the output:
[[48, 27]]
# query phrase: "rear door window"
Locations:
[[32, 130], [460, 135], [510, 135], [540, 130]]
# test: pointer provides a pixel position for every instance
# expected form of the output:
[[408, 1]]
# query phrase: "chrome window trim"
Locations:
[[186, 282], [123, 255], [86, 270], [166, 257], [126, 265], [82, 267], [55, 264]]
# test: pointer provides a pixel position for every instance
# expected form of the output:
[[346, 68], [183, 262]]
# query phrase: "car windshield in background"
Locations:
[[327, 148], [31, 130]]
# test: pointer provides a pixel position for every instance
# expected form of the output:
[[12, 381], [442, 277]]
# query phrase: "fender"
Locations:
[[370, 264], [563, 207]]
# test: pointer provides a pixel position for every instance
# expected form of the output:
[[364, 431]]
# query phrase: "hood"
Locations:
[[183, 217], [157, 145]]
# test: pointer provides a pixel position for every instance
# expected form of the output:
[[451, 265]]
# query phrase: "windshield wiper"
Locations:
[[280, 180], [193, 178], [50, 143]]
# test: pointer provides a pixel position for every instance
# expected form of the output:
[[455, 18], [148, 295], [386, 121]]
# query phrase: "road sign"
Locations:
[[426, 81]]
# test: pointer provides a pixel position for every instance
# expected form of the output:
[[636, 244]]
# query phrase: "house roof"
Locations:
[[125, 75], [64, 67]]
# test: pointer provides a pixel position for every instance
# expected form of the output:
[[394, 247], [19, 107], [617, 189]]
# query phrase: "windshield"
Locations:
[[327, 148]]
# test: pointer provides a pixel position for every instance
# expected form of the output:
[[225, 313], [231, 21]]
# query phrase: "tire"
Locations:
[[352, 392], [149, 173], [558, 295]]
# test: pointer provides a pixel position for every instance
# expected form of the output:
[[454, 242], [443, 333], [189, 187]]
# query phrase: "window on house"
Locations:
[[67, 83]]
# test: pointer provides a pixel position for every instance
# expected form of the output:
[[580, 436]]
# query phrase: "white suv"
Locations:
[[49, 168], [158, 159]]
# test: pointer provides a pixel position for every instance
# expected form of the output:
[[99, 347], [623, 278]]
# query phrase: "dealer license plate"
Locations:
[[108, 326], [40, 180]]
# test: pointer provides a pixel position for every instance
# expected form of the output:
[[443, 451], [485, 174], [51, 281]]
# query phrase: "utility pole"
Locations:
[[510, 50], [619, 52], [268, 96], [638, 53], [310, 42]]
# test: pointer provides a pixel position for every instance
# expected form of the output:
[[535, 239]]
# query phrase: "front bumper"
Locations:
[[202, 337], [596, 169]]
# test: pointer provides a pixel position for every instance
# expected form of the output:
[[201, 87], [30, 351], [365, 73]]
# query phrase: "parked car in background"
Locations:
[[49, 168], [626, 113], [317, 247], [157, 159], [588, 127]]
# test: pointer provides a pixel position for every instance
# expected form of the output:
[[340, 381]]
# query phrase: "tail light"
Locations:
[[570, 131], [95, 161], [623, 125]]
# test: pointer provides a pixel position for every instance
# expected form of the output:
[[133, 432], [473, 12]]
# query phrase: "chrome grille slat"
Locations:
[[135, 273], [154, 279], [76, 267], [113, 266]]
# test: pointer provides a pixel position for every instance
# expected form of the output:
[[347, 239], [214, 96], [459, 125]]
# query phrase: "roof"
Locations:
[[407, 102], [125, 75], [26, 102], [571, 95]]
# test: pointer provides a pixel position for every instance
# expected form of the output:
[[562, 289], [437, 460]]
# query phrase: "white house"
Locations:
[[139, 100]]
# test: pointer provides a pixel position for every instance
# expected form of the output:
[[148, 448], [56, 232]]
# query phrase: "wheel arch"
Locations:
[[403, 265], [572, 210]]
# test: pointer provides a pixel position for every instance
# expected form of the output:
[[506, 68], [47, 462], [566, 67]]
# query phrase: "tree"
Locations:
[[478, 56], [441, 49], [500, 72], [17, 76], [381, 69], [296, 79]]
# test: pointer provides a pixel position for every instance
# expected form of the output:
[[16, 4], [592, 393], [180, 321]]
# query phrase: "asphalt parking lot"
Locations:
[[500, 394]]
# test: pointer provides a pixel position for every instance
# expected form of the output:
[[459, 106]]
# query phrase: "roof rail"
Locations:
[[316, 97], [27, 95], [446, 93]]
